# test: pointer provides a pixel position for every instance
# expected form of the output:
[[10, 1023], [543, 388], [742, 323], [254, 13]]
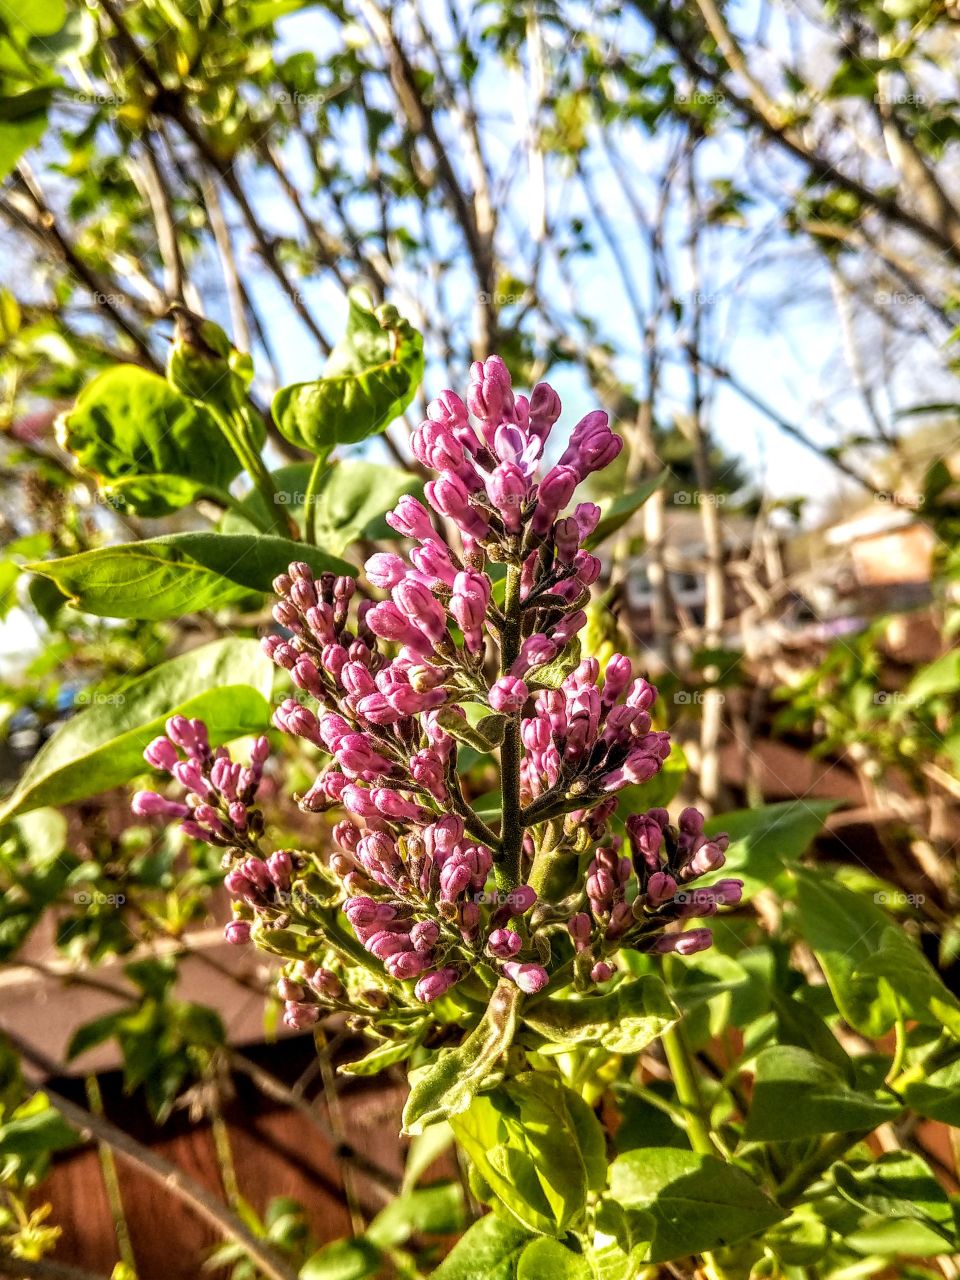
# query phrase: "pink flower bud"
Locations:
[[148, 804], [432, 559], [407, 964], [661, 887], [300, 1016], [544, 410], [287, 989], [530, 978], [433, 985], [602, 972], [385, 569], [534, 652], [424, 934], [468, 604], [685, 944], [507, 491], [280, 869], [161, 754], [504, 943], [588, 568], [508, 695], [554, 492], [411, 519], [566, 538], [237, 932]]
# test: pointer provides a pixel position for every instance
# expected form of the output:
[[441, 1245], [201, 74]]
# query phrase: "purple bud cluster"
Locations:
[[430, 892], [582, 734], [218, 805], [631, 900]]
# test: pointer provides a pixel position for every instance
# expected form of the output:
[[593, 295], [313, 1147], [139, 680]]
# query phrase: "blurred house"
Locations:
[[877, 561], [685, 557]]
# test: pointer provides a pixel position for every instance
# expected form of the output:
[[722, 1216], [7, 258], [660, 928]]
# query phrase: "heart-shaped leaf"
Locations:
[[151, 448], [369, 379]]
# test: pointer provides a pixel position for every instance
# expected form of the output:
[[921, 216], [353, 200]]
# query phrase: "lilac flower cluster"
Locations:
[[220, 794], [475, 639]]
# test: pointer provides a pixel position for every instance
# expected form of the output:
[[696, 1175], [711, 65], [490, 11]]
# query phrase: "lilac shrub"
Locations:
[[471, 644]]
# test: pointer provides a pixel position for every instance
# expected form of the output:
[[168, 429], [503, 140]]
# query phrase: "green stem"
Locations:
[[687, 1084], [224, 1153], [111, 1182], [507, 869], [900, 1051], [235, 432], [546, 857], [807, 1171], [313, 484]]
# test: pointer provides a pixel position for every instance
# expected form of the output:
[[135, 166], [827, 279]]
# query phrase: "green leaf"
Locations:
[[938, 1096], [551, 675], [766, 840], [351, 502], [490, 1250], [179, 573], [621, 509], [448, 1085], [899, 1185], [432, 1211], [152, 449], [797, 1095], [93, 1033], [23, 122], [483, 736], [343, 1260], [387, 1054], [798, 1024], [941, 676], [844, 931], [542, 1258], [624, 1020], [904, 966], [32, 1134], [40, 17], [538, 1147], [425, 1149], [696, 1202], [226, 684], [353, 497], [369, 379]]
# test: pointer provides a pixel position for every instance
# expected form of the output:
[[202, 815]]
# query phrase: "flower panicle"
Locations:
[[383, 689]]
